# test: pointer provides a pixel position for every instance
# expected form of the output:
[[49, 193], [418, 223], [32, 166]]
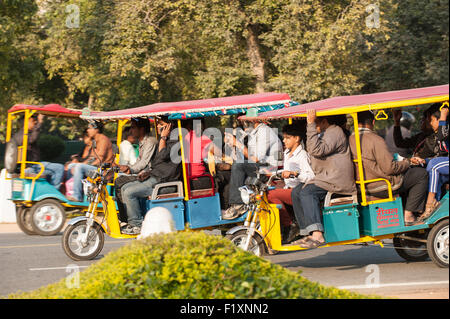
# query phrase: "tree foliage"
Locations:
[[112, 54]]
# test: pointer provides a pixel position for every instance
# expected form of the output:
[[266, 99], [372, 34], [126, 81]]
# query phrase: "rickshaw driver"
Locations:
[[102, 152], [162, 170], [333, 169], [54, 172], [140, 128], [410, 182]]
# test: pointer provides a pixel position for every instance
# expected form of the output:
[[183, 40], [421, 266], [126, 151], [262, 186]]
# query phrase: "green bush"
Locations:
[[50, 147], [187, 265]]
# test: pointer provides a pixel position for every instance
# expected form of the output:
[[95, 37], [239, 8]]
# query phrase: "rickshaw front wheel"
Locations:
[[437, 243], [23, 218], [47, 217], [73, 245], [256, 246]]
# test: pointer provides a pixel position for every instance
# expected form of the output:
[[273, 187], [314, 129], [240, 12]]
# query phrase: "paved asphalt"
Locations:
[[30, 262]]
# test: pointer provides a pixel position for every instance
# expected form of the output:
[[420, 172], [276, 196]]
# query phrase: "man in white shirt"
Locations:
[[296, 170], [263, 148], [127, 152]]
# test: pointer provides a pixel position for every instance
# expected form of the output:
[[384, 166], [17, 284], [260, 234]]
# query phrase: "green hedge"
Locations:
[[187, 265]]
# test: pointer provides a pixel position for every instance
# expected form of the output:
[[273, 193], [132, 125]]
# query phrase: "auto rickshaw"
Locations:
[[40, 207], [191, 207], [361, 218]]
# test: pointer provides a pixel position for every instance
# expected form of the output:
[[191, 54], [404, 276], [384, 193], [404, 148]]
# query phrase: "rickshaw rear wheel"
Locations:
[[47, 217], [23, 218], [411, 250], [257, 245], [437, 244], [72, 244]]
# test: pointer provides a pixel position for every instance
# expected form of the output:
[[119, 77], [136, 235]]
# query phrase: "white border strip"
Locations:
[[400, 284]]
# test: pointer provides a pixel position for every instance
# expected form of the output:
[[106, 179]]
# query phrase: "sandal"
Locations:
[[312, 243], [300, 241], [429, 210]]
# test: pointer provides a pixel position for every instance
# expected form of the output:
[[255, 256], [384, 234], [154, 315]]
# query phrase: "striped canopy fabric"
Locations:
[[200, 108]]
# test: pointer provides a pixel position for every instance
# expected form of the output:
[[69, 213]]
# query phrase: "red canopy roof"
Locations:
[[367, 100], [49, 109], [205, 105]]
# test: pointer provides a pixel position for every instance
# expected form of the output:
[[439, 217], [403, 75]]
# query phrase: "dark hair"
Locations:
[[141, 122], [366, 117], [432, 110], [85, 133], [97, 125], [297, 129], [126, 133]]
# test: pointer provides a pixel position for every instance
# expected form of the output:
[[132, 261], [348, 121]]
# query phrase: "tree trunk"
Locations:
[[90, 101], [256, 60]]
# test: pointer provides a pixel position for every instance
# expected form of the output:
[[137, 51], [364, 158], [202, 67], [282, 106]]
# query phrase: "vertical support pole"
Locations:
[[183, 163], [359, 160], [23, 164]]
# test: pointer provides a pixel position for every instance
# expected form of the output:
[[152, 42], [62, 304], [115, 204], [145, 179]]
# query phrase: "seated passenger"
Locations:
[[102, 152], [128, 154], [140, 130], [423, 143], [378, 162], [86, 153], [196, 148], [331, 162], [263, 147], [437, 167], [53, 172], [296, 170], [162, 170]]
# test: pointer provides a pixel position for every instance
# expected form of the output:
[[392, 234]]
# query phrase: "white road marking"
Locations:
[[400, 284], [54, 268]]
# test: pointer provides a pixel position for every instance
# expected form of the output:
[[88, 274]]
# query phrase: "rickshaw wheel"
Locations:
[[47, 217], [74, 248], [411, 250], [257, 245], [23, 218], [437, 244]]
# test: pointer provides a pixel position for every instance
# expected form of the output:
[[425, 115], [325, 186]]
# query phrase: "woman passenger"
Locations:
[[297, 170]]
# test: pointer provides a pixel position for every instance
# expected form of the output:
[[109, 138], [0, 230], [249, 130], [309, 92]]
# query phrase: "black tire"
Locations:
[[411, 250], [47, 217], [257, 245], [437, 244], [96, 241], [23, 219]]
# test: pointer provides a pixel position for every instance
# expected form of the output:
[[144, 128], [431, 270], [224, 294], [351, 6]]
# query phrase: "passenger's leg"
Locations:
[[282, 197], [54, 172], [298, 208], [310, 197], [79, 172], [131, 195], [239, 172], [414, 190], [436, 168]]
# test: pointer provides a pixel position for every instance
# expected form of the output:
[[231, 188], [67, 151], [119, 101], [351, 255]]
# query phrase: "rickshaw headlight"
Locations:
[[87, 186], [246, 194]]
